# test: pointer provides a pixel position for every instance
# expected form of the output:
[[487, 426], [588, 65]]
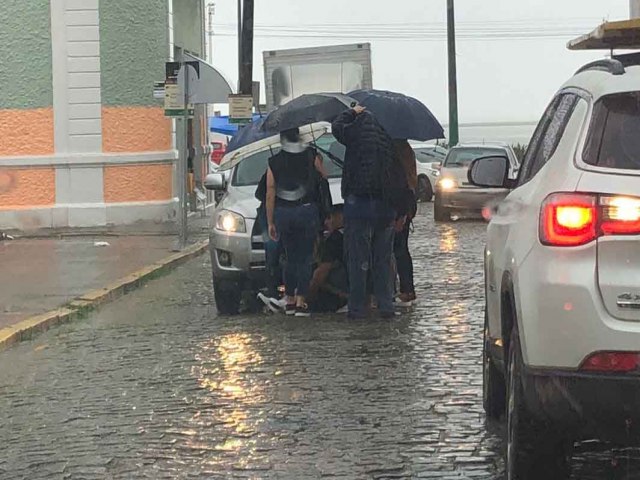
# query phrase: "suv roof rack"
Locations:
[[609, 65]]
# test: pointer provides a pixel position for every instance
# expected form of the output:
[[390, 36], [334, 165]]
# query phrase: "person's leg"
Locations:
[[283, 219], [404, 262], [382, 258], [358, 237], [307, 227]]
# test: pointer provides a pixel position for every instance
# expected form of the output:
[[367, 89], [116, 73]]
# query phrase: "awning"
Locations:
[[207, 85], [222, 125], [624, 35]]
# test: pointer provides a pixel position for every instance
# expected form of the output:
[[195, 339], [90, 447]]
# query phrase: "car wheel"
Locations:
[[534, 450], [227, 298], [440, 213], [424, 192], [494, 390]]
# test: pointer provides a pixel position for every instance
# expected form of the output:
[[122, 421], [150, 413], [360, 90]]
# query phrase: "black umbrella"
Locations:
[[403, 117], [306, 109]]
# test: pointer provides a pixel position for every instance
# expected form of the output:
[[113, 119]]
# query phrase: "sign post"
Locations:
[[240, 109]]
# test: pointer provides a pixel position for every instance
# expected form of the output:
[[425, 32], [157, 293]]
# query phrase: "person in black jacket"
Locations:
[[368, 209]]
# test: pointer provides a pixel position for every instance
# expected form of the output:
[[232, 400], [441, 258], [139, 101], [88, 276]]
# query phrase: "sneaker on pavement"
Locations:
[[342, 310], [290, 309], [303, 311], [269, 302]]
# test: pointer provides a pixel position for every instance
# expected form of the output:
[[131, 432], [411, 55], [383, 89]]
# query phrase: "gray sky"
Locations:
[[512, 54]]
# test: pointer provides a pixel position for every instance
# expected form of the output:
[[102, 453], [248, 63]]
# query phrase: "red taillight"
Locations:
[[611, 362], [217, 152], [568, 220], [620, 215]]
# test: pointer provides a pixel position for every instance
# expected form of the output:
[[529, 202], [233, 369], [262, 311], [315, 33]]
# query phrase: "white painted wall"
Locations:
[[634, 6]]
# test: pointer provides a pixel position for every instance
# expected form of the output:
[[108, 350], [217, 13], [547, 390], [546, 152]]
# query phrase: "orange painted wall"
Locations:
[[135, 129], [138, 183], [26, 132], [27, 187]]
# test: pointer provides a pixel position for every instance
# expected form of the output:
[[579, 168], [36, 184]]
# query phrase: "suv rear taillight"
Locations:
[[568, 220], [572, 219], [217, 152], [611, 362]]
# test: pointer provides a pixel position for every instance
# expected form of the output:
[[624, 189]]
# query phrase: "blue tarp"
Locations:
[[222, 125]]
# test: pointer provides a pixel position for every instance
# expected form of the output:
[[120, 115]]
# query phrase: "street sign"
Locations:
[[240, 108], [158, 90], [174, 93]]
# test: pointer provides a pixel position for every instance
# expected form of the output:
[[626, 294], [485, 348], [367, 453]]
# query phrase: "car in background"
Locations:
[[236, 249], [454, 194], [429, 158]]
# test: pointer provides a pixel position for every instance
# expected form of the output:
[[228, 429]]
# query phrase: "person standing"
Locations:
[[404, 262], [368, 215], [293, 215]]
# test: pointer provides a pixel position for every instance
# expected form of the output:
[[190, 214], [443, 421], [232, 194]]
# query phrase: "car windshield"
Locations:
[[429, 154], [462, 157], [613, 140], [250, 170]]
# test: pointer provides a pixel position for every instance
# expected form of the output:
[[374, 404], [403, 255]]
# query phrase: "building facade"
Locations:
[[83, 142]]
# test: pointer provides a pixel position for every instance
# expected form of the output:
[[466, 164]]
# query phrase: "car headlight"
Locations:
[[447, 184], [230, 222]]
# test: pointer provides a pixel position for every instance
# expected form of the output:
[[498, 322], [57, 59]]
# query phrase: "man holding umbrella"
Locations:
[[369, 216]]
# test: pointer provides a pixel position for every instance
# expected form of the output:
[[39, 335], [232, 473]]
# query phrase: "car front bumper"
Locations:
[[471, 199], [587, 404]]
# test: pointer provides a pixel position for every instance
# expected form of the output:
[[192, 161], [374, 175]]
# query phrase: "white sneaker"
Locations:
[[271, 303], [342, 310]]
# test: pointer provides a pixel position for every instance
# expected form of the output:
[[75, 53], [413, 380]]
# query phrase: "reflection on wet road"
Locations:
[[158, 386]]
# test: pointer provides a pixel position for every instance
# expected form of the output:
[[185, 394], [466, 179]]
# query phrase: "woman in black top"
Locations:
[[293, 215]]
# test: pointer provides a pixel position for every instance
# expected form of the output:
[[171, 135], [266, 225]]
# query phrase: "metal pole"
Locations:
[[212, 10], [183, 167], [453, 82], [239, 42], [246, 72]]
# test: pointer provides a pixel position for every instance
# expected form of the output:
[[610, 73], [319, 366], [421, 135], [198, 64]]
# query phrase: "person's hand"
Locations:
[[399, 223], [359, 109], [273, 233]]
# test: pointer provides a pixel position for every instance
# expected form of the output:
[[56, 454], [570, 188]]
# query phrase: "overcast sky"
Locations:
[[512, 54]]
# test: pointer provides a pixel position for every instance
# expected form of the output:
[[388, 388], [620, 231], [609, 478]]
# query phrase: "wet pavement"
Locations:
[[157, 385]]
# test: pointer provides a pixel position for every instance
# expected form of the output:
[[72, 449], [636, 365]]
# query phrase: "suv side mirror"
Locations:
[[490, 172], [215, 181]]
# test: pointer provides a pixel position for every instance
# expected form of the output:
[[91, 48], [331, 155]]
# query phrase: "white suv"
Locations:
[[562, 273]]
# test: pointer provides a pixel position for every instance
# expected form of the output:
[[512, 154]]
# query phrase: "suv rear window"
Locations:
[[462, 157], [614, 136]]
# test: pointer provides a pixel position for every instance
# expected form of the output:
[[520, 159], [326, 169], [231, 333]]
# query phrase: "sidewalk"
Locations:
[[38, 275]]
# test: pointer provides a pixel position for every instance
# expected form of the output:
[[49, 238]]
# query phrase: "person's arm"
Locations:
[[271, 204], [318, 279], [340, 126], [319, 164]]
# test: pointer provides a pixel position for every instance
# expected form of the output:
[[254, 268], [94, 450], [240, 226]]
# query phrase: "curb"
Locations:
[[89, 301]]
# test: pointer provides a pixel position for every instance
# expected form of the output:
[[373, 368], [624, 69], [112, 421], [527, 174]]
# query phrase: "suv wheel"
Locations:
[[424, 192], [227, 298], [493, 385], [440, 213], [534, 451]]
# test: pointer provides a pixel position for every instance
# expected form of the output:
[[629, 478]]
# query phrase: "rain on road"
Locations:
[[156, 385]]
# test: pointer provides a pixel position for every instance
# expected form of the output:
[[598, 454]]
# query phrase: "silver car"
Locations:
[[454, 194], [429, 159], [235, 243]]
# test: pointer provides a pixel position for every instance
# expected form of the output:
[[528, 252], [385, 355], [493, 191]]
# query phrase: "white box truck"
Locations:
[[336, 68]]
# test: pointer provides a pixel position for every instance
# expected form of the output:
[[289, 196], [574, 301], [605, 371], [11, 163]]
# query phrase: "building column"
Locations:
[[77, 106]]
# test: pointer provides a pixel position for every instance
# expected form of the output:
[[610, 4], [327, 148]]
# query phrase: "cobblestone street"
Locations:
[[156, 385]]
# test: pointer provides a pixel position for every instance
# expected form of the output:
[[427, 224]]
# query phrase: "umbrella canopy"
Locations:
[[403, 117], [249, 134], [307, 109], [308, 134]]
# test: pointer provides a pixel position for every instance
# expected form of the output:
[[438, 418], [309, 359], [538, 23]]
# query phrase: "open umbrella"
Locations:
[[306, 109], [403, 117], [248, 134], [308, 134]]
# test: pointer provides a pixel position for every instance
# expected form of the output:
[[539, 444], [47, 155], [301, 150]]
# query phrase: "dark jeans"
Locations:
[[404, 262], [272, 252], [369, 248], [298, 229]]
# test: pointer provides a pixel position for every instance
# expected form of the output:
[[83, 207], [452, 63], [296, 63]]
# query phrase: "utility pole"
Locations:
[[239, 42], [211, 10], [453, 82], [246, 66]]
